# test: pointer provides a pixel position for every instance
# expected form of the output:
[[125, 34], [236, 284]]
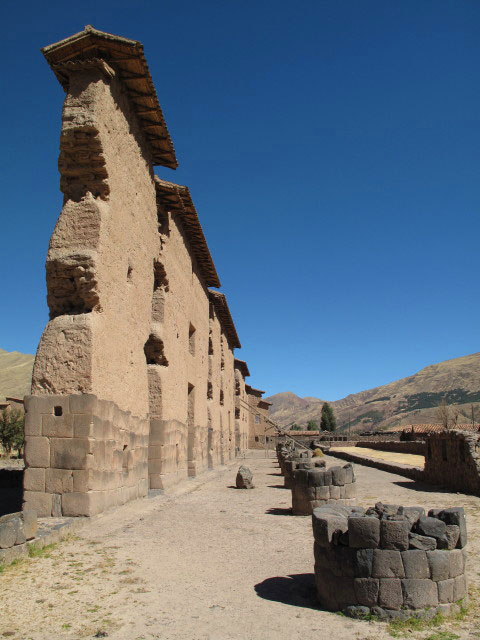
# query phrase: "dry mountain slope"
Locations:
[[15, 373], [412, 400]]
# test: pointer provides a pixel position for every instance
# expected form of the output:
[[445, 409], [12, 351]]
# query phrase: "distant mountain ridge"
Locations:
[[15, 373], [411, 400]]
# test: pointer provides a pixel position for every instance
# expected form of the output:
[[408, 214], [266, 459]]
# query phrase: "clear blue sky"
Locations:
[[332, 149]]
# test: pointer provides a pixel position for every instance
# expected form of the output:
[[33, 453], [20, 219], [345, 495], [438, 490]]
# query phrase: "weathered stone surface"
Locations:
[[34, 479], [363, 560], [424, 543], [431, 527], [455, 563], [326, 595], [364, 532], [439, 565], [338, 476], [366, 591], [453, 535], [356, 611], [415, 564], [390, 594], [29, 524], [350, 490], [349, 473], [456, 516], [418, 594], [459, 588], [445, 590], [394, 535], [40, 503], [334, 492], [324, 526], [387, 564], [244, 478], [37, 452], [8, 533], [412, 514]]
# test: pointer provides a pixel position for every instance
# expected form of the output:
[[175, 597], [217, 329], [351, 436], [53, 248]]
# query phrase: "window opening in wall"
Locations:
[[237, 413], [210, 347], [256, 438], [257, 418], [57, 411], [221, 397], [125, 458], [162, 220], [191, 405], [154, 352], [209, 391], [160, 287], [129, 273], [444, 450], [191, 339]]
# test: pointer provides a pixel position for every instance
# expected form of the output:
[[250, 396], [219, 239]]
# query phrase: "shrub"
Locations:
[[12, 430]]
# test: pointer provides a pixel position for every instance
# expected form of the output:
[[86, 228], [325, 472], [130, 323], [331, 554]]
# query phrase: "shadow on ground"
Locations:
[[276, 486], [279, 511], [274, 474], [416, 486], [297, 590]]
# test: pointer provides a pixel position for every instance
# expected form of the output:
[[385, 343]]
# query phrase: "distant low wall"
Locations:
[[452, 461], [415, 447], [414, 473]]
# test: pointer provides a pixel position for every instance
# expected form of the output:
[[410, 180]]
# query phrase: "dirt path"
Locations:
[[211, 564]]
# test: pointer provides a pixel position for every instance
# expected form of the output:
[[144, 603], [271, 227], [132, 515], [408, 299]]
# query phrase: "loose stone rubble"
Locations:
[[244, 478], [17, 528], [390, 561]]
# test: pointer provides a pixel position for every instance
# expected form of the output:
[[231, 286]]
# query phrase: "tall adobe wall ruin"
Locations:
[[120, 383]]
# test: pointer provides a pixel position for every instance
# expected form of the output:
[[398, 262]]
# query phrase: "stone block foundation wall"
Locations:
[[390, 561], [82, 455], [317, 487], [167, 450]]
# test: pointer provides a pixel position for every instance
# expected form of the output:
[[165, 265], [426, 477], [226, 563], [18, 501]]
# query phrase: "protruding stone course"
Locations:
[[17, 528], [316, 486], [368, 563], [244, 478]]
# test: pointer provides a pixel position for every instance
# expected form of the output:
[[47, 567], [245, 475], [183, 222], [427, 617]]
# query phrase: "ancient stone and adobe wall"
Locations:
[[260, 431], [126, 393], [242, 409], [390, 561], [452, 460]]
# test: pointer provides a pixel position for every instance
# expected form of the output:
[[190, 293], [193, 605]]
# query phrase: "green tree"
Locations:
[[12, 430], [327, 419], [295, 427], [312, 425]]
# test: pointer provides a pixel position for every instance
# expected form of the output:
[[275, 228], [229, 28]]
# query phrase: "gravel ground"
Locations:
[[207, 562]]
